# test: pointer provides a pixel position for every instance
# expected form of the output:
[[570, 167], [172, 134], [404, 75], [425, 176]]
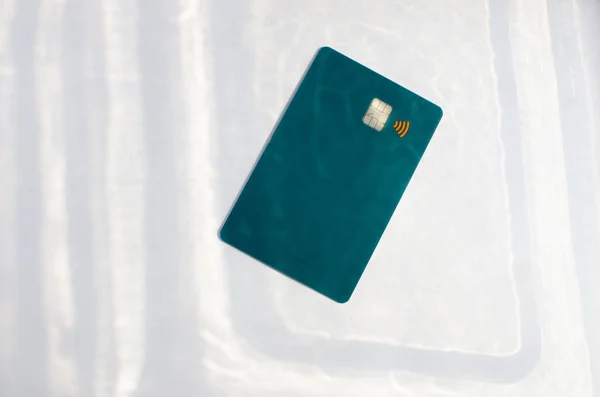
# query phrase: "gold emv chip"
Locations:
[[377, 114]]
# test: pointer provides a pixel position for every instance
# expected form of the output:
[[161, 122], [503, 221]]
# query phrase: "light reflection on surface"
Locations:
[[127, 129]]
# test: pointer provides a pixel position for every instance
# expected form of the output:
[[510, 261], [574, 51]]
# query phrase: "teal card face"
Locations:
[[324, 189]]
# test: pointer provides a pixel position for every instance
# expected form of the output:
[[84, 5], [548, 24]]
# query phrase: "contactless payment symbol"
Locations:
[[402, 128]]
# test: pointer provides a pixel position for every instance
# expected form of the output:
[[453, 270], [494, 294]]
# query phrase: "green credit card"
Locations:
[[331, 176]]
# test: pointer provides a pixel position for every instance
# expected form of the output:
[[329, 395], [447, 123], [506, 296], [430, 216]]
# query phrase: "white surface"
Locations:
[[128, 128]]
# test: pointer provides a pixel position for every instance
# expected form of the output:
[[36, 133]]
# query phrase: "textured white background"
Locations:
[[127, 128]]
